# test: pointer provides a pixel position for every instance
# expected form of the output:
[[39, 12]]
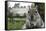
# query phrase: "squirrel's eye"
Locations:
[[35, 11], [28, 11]]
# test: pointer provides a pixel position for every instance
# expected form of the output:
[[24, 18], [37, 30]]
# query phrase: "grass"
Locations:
[[16, 25]]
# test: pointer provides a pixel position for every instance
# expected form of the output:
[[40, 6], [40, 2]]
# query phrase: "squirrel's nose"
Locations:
[[31, 17], [32, 24]]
